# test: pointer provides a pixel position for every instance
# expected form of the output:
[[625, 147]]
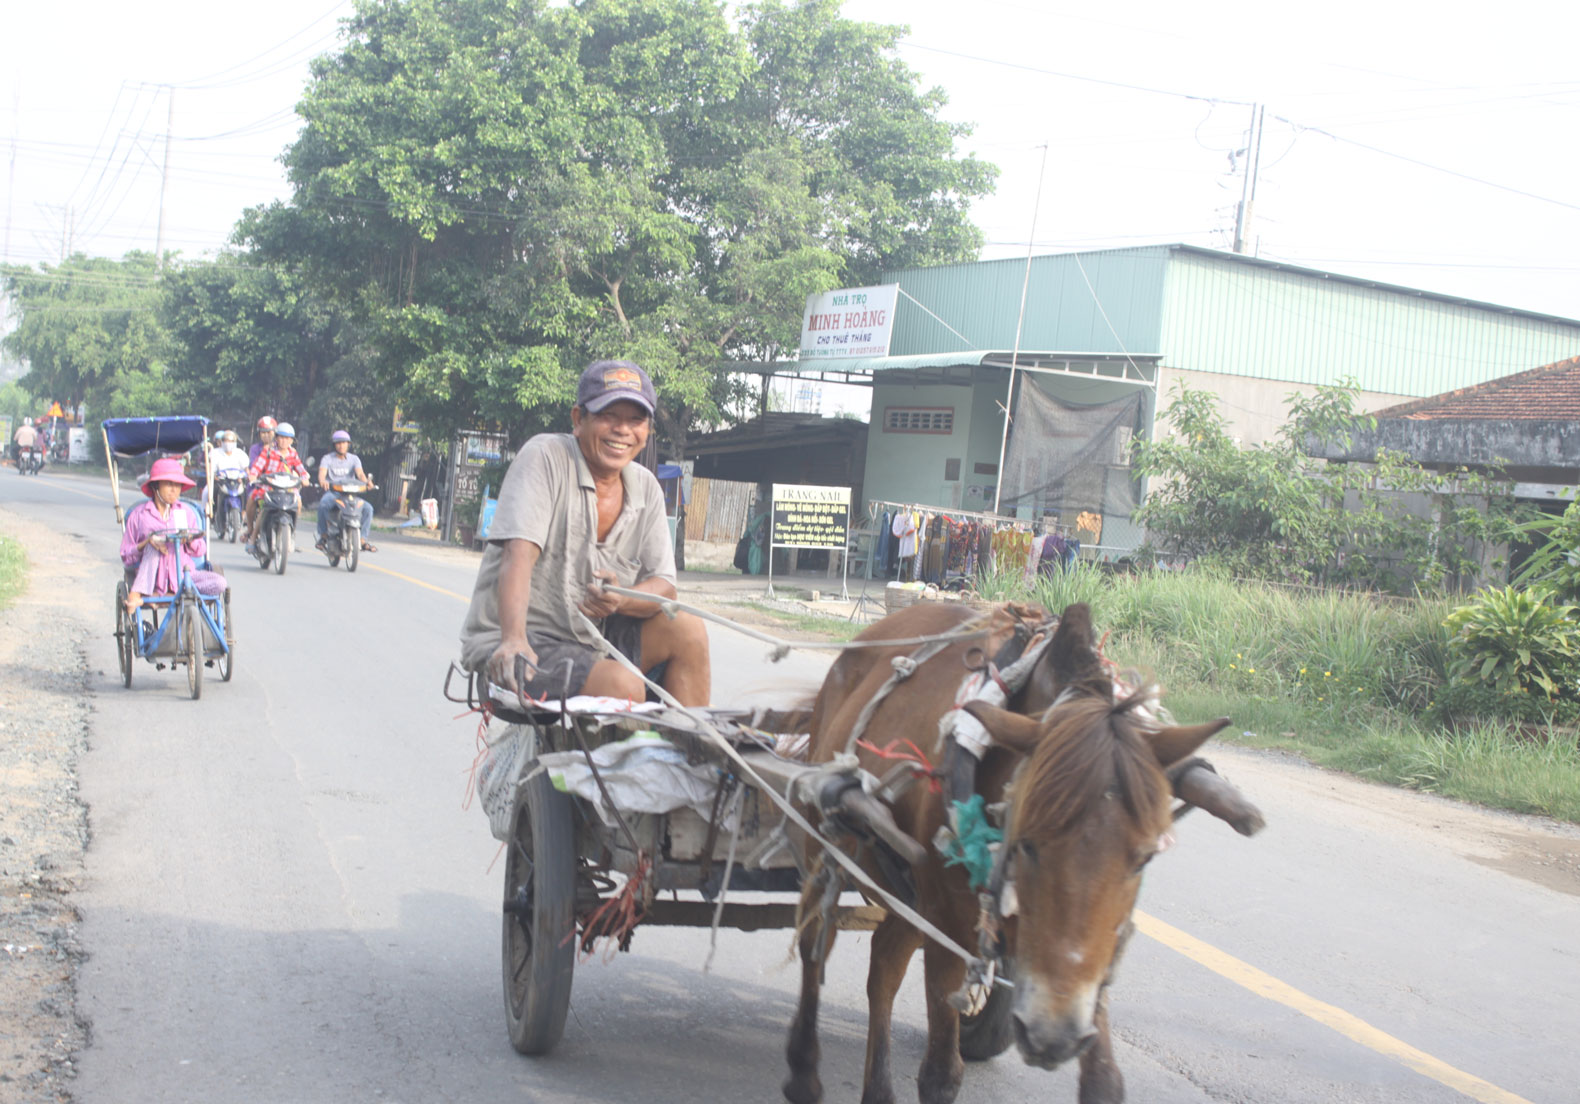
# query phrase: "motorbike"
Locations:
[[230, 496], [29, 461], [276, 521], [344, 537]]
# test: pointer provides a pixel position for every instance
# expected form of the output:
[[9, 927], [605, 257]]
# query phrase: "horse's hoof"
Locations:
[[803, 1089], [940, 1089]]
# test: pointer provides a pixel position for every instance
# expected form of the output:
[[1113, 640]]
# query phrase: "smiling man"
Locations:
[[575, 512]]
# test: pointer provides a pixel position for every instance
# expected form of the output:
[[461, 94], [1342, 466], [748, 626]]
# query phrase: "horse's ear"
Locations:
[[1173, 743], [1072, 653], [1013, 731]]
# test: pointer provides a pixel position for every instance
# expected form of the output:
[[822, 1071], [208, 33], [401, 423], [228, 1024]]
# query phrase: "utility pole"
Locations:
[[164, 180], [1253, 162]]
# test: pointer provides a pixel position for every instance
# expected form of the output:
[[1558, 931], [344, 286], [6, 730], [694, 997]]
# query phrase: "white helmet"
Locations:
[[285, 429]]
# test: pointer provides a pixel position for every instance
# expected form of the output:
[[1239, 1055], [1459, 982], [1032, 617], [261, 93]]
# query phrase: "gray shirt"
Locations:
[[341, 469], [548, 497]]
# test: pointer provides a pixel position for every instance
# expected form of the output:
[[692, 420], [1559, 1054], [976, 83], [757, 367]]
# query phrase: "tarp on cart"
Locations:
[[168, 436]]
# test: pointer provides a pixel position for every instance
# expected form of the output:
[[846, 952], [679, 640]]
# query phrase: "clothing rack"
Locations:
[[875, 505]]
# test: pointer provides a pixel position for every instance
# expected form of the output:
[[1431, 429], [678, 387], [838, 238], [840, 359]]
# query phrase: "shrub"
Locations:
[[1516, 641]]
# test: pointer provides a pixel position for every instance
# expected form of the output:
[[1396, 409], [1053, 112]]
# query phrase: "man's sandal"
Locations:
[[368, 547]]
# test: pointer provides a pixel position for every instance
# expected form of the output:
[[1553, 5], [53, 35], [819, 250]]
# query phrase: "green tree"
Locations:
[[250, 338], [502, 190], [90, 331]]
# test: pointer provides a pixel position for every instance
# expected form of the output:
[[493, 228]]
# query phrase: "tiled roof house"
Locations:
[[1526, 424]]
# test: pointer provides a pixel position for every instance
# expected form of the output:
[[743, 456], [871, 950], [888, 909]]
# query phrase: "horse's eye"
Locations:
[[1141, 864]]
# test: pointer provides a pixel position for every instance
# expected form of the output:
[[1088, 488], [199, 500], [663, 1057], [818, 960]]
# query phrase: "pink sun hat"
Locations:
[[166, 470]]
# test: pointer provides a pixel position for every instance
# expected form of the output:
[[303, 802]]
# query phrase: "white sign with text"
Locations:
[[850, 322]]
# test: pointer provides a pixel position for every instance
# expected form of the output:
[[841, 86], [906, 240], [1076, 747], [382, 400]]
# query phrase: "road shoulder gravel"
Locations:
[[44, 711]]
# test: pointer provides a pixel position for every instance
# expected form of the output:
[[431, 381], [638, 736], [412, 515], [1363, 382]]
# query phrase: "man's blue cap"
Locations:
[[608, 381]]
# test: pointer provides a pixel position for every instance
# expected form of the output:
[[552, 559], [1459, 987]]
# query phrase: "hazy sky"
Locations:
[[1490, 93]]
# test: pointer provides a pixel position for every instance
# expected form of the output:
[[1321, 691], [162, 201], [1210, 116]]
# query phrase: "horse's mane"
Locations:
[[1095, 748]]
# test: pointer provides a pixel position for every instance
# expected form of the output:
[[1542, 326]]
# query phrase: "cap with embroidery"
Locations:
[[609, 381]]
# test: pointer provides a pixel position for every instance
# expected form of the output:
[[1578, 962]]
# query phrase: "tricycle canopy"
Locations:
[[130, 438], [155, 437]]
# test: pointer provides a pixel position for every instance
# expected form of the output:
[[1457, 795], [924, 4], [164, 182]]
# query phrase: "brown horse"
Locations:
[[1089, 806]]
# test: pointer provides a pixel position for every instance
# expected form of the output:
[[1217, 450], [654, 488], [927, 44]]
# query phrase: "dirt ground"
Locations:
[[44, 709]]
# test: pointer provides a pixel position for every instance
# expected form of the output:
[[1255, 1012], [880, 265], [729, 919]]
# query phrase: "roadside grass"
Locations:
[[13, 571], [1340, 679]]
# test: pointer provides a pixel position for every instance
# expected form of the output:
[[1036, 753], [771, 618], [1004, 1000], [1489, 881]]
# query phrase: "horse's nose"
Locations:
[[1050, 1043]]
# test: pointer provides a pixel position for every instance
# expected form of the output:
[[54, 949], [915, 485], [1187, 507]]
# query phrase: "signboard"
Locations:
[[850, 322], [402, 425], [810, 517], [77, 445], [806, 516]]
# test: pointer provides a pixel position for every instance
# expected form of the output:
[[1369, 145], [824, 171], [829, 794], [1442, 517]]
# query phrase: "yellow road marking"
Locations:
[[1351, 1027], [416, 582], [1265, 985]]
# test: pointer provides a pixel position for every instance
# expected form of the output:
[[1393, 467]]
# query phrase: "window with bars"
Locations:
[[918, 419]]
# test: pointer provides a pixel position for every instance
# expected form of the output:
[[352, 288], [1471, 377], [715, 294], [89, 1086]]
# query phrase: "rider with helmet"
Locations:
[[227, 462], [279, 456], [341, 466], [265, 430]]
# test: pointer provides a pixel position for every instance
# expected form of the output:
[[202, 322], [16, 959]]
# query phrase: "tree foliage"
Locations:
[[249, 338], [90, 331], [502, 190], [1274, 512]]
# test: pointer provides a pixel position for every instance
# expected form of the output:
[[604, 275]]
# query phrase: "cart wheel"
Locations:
[[282, 546], [353, 550], [227, 661], [539, 945], [986, 1030], [125, 635], [194, 630]]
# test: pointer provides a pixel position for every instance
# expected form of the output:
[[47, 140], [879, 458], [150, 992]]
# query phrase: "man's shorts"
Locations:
[[563, 665]]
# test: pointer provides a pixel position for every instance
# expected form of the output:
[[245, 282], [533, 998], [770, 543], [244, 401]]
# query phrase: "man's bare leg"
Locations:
[[682, 643]]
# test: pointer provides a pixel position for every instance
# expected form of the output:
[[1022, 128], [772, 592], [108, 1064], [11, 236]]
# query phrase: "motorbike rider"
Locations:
[[26, 440], [265, 434], [228, 462], [342, 466], [280, 456]]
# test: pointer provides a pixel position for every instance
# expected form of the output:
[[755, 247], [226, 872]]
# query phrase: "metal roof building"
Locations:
[[1101, 325]]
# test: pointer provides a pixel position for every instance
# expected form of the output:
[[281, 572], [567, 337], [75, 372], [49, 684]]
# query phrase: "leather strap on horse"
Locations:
[[904, 668]]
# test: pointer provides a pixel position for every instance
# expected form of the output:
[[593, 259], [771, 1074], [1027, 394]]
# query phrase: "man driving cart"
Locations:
[[574, 513]]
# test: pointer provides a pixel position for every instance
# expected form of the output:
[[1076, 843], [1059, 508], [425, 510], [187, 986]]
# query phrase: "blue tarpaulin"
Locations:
[[168, 436]]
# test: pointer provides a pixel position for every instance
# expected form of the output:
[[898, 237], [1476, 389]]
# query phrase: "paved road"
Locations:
[[286, 902]]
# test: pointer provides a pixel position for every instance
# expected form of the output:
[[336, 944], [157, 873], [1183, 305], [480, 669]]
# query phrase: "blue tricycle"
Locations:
[[185, 628]]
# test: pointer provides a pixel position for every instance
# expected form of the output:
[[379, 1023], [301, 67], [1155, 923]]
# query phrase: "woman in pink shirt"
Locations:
[[146, 546]]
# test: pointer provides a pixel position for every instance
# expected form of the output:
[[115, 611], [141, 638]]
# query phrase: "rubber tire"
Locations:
[[194, 631], [990, 1032], [232, 523], [540, 948], [353, 550], [125, 635], [334, 558], [282, 545], [227, 662]]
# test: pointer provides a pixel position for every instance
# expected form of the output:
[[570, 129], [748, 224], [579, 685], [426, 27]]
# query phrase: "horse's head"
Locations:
[[1089, 808]]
